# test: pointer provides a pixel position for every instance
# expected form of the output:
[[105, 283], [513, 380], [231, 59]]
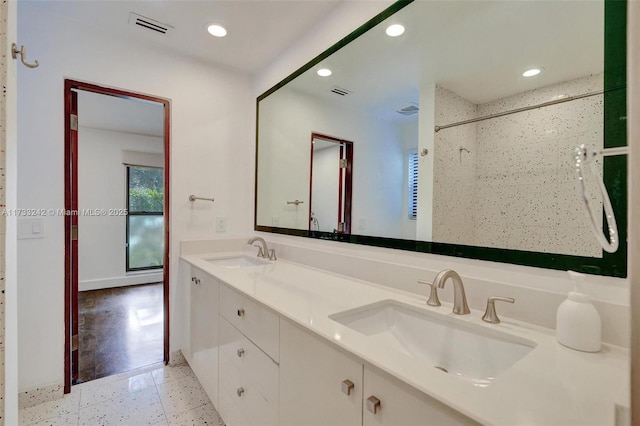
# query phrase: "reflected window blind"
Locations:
[[413, 185]]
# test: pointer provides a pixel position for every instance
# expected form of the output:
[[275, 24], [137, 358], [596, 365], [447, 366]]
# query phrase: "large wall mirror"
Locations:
[[459, 146]]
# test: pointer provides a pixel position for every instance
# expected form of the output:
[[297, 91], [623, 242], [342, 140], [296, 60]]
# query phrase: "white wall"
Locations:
[[424, 219], [287, 119], [102, 185], [212, 109], [410, 139]]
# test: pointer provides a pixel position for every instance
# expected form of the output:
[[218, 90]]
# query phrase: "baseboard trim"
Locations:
[[40, 395], [143, 278]]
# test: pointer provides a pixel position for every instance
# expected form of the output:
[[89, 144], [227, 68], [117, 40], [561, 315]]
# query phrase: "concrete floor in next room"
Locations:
[[153, 395], [119, 329]]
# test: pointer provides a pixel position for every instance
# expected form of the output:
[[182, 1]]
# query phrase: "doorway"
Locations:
[[330, 184], [116, 231]]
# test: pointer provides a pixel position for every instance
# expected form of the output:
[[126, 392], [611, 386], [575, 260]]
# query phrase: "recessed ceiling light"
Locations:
[[217, 30], [531, 72], [324, 72], [394, 30]]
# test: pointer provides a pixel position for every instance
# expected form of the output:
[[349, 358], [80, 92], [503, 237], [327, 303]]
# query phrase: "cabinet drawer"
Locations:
[[240, 401], [254, 364], [259, 324]]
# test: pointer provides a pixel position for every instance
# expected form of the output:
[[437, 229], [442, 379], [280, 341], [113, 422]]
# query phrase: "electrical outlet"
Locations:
[[221, 225]]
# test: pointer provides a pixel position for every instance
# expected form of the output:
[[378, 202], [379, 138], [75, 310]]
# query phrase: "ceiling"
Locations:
[[134, 116], [258, 30], [477, 49]]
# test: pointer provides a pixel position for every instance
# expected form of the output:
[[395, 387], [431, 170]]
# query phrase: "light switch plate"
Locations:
[[221, 225], [31, 227]]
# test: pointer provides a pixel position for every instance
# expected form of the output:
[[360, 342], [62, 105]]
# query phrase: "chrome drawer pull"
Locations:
[[347, 386], [240, 352], [240, 391], [241, 312], [373, 404]]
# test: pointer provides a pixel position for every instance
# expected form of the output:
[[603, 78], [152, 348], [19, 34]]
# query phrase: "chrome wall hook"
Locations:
[[23, 56]]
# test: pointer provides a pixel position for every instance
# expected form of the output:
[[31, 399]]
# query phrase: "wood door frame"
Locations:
[[348, 180], [70, 167]]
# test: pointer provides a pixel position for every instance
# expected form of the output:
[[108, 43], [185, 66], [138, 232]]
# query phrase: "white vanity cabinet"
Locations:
[[203, 330], [388, 401], [259, 368], [249, 351], [319, 383]]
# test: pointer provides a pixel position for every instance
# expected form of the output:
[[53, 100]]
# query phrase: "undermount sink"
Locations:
[[466, 350], [238, 261]]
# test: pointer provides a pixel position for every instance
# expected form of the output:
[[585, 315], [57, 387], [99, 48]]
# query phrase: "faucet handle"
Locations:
[[260, 252], [272, 254], [433, 294], [490, 315]]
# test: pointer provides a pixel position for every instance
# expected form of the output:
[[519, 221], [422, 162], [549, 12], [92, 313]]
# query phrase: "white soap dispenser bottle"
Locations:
[[578, 323]]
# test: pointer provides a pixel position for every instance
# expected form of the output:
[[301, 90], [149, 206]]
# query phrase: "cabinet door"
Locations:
[[400, 404], [313, 376], [182, 308], [204, 331]]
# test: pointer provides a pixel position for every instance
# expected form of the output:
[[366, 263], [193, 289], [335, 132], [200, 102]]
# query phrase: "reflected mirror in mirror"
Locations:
[[458, 143]]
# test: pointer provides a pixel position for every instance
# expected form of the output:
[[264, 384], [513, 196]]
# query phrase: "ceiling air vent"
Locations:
[[408, 109], [340, 91], [148, 23]]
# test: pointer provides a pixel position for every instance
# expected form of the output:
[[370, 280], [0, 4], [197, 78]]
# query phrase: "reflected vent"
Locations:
[[408, 109], [149, 24], [340, 91]]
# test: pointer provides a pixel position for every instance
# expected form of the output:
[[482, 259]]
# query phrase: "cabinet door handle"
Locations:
[[240, 352], [241, 312], [240, 391], [373, 404], [347, 386]]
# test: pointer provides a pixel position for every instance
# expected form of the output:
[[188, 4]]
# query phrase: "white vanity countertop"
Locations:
[[552, 385]]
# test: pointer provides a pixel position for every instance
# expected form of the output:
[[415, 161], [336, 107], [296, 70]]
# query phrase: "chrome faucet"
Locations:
[[460, 306], [263, 251]]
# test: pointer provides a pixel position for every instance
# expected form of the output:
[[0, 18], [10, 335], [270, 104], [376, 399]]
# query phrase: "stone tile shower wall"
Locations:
[[3, 81], [454, 170], [523, 194]]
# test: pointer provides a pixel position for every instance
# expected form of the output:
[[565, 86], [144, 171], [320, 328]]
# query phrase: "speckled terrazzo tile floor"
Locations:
[[153, 395]]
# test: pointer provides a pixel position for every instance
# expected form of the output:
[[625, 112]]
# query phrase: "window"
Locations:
[[145, 218], [412, 193]]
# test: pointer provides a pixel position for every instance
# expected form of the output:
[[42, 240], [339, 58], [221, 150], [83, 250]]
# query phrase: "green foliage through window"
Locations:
[[146, 189], [145, 200]]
